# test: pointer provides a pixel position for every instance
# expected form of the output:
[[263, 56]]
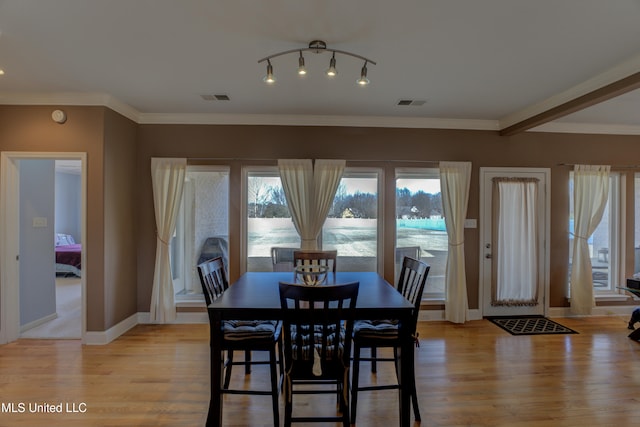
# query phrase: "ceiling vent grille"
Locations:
[[220, 97], [413, 102]]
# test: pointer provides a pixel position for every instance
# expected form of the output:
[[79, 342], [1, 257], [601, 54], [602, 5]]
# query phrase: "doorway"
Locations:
[[10, 243], [525, 211]]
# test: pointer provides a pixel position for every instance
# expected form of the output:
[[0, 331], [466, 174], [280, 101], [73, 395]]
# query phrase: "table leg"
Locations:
[[214, 417]]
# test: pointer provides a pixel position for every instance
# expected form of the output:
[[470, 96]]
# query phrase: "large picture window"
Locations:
[[269, 223], [420, 227], [202, 228], [636, 241], [604, 243], [352, 225]]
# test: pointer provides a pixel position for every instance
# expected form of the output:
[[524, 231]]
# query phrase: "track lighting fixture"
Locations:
[[317, 46]]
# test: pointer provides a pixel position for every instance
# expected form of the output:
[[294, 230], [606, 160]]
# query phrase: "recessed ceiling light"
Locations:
[[1, 72]]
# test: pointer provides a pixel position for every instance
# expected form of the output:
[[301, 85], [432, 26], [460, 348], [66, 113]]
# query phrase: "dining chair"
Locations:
[[318, 328], [315, 257], [243, 335], [374, 334], [282, 258]]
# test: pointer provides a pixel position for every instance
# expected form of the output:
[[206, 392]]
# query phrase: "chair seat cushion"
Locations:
[[248, 329], [382, 329], [317, 339]]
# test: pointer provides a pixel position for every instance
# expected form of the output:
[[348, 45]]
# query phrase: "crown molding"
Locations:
[[587, 128], [106, 100], [70, 98], [318, 120]]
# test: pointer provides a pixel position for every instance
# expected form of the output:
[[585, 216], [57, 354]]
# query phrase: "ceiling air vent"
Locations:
[[220, 97], [413, 102]]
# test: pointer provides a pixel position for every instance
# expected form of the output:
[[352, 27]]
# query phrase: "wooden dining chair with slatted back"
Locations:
[[314, 257], [243, 335], [374, 334], [317, 332]]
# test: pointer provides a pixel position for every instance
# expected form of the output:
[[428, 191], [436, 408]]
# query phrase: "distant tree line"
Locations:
[[270, 202], [417, 205]]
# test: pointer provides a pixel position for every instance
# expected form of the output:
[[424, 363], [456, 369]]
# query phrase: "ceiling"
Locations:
[[489, 64]]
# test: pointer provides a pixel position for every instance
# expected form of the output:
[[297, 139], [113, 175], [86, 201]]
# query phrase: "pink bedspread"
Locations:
[[69, 255]]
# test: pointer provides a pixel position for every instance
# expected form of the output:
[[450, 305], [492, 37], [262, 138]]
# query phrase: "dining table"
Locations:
[[255, 296]]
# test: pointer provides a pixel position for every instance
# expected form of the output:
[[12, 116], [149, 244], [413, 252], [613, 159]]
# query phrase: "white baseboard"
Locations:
[[611, 310], [38, 322], [182, 317], [105, 337], [101, 338], [475, 314], [436, 315]]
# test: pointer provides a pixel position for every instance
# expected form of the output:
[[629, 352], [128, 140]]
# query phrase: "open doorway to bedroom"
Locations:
[[65, 322], [43, 199]]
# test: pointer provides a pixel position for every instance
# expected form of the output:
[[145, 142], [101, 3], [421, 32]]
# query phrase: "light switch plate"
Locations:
[[39, 222], [470, 223]]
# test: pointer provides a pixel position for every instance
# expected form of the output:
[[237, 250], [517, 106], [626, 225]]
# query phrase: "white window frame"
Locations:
[[368, 172], [267, 171], [185, 228], [418, 173], [617, 240]]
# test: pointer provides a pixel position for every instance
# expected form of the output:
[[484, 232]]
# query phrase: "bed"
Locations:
[[68, 255]]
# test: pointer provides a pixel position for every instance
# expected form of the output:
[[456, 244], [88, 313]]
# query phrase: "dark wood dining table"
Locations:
[[255, 296]]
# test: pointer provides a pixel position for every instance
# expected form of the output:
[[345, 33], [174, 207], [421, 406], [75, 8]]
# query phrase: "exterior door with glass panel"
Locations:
[[514, 230]]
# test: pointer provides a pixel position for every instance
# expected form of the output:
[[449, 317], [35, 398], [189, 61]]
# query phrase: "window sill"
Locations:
[[612, 297], [190, 302], [432, 301]]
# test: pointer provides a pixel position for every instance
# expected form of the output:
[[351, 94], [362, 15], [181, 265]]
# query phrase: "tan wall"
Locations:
[[120, 264], [386, 148], [109, 242], [120, 238]]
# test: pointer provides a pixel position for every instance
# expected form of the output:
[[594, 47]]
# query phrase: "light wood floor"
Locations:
[[468, 375]]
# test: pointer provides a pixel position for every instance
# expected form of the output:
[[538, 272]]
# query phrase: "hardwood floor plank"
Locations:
[[467, 375]]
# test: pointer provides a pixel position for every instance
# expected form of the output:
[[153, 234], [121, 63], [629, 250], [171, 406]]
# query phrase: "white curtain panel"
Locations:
[[455, 178], [326, 177], [517, 263], [297, 182], [590, 194], [167, 178], [310, 190]]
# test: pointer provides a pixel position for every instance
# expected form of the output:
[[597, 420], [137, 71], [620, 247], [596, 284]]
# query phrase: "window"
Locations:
[[352, 226], [202, 227], [269, 222], [636, 241], [420, 226], [604, 243]]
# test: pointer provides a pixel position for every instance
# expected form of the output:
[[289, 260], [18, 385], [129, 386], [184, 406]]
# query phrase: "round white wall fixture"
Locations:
[[59, 116]]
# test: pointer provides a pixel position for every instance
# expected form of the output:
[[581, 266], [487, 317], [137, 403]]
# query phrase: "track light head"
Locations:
[[269, 78], [332, 72], [363, 80], [301, 68]]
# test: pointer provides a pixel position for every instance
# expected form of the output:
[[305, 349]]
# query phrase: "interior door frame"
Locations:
[[10, 237], [484, 237]]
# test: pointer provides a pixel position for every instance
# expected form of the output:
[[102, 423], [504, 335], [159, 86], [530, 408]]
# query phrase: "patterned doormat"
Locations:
[[530, 325]]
